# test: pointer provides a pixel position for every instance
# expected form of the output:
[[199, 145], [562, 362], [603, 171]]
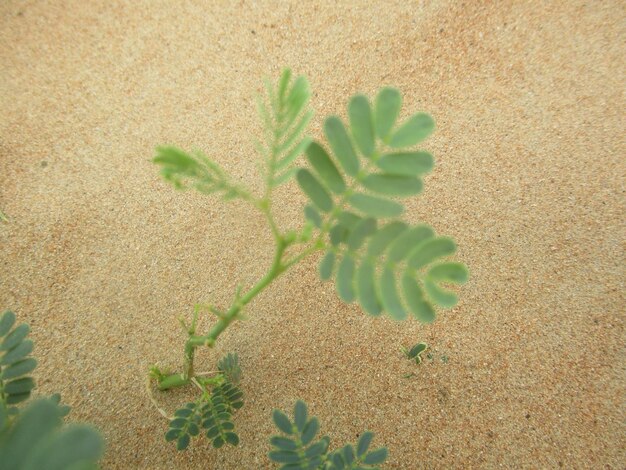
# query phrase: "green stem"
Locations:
[[194, 341]]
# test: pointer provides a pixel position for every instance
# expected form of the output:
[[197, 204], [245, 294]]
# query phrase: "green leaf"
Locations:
[[193, 429], [348, 219], [294, 132], [17, 398], [364, 443], [413, 131], [345, 279], [326, 266], [294, 153], [231, 438], [285, 77], [74, 446], [212, 431], [316, 192], [17, 353], [363, 229], [283, 443], [414, 296], [218, 442], [375, 206], [403, 245], [388, 102], [297, 98], [430, 250], [407, 164], [417, 349], [172, 434], [15, 337], [312, 215], [282, 422], [376, 457], [175, 159], [183, 412], [19, 368], [300, 415], [392, 185], [284, 456], [284, 177], [6, 322], [348, 454], [338, 234], [366, 288], [310, 430], [384, 237], [362, 125], [442, 297], [18, 386], [316, 449], [389, 296], [449, 272], [178, 423], [341, 145], [325, 168]]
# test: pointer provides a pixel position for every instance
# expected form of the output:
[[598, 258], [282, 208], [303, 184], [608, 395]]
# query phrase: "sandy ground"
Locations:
[[101, 257]]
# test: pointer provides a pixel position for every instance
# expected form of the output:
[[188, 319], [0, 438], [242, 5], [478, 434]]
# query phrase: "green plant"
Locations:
[[353, 217], [415, 353], [213, 410], [295, 449], [35, 437]]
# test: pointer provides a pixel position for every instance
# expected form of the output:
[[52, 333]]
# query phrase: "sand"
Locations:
[[101, 257]]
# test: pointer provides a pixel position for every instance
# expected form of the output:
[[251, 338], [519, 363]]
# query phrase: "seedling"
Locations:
[[295, 449], [415, 353], [353, 219]]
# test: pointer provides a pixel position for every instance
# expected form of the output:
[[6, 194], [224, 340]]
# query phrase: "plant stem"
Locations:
[[194, 341]]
